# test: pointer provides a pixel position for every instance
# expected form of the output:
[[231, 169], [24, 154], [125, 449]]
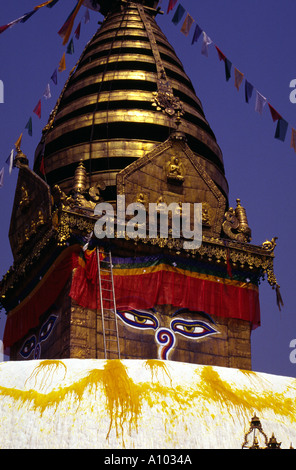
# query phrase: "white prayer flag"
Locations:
[[9, 161], [260, 102], [205, 44], [86, 16], [47, 93]]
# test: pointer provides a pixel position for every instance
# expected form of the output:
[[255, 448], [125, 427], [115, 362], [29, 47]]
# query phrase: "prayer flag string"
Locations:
[[239, 77]]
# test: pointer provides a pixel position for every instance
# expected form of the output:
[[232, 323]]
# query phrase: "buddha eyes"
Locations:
[[138, 318], [32, 344], [28, 347], [192, 329], [47, 328]]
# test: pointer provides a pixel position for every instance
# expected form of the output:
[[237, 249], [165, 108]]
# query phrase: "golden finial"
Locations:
[[80, 178]]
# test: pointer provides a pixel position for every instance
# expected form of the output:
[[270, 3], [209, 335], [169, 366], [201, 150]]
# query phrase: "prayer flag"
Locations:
[[29, 127], [248, 91], [86, 16], [238, 78], [205, 44], [42, 169], [4, 28], [44, 4], [9, 161], [178, 15], [37, 109], [62, 64], [66, 29], [1, 176], [54, 77], [70, 48], [12, 23], [228, 66], [197, 33], [171, 5], [47, 93], [260, 102], [92, 4], [274, 114], [220, 54], [188, 22], [18, 142], [27, 16], [52, 3], [77, 31], [281, 129], [293, 139]]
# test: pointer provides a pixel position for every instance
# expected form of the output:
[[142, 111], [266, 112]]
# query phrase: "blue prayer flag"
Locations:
[[281, 129], [197, 33], [54, 77], [228, 65], [248, 91], [178, 15]]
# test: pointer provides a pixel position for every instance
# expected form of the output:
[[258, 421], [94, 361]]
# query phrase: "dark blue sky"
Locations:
[[258, 37]]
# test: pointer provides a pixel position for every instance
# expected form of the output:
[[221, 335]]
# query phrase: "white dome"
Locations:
[[137, 404]]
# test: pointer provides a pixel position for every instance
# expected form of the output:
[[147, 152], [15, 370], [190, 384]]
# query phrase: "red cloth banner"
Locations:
[[26, 315], [165, 285]]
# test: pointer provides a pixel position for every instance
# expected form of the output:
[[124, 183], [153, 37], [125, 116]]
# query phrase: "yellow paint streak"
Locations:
[[48, 368], [213, 388], [124, 397], [156, 366]]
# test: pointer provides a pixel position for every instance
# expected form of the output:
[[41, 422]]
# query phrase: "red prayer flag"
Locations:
[[171, 5], [42, 169], [274, 114], [37, 109], [293, 139], [77, 31], [4, 28]]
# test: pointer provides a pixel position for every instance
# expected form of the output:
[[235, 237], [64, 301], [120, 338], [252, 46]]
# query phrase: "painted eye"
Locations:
[[138, 319], [28, 347], [192, 329], [47, 327]]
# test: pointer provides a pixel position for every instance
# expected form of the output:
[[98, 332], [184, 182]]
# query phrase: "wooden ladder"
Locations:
[[108, 305]]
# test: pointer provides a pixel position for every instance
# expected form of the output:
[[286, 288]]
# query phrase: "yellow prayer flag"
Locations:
[[42, 5], [238, 78], [188, 22], [71, 22], [18, 142], [62, 64]]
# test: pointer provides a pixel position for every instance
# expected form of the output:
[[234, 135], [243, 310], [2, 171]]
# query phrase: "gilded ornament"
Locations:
[[25, 200], [270, 245], [235, 225], [80, 178], [175, 171]]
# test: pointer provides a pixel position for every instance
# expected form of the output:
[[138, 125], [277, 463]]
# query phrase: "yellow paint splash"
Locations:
[[125, 398], [213, 388], [156, 366], [48, 368]]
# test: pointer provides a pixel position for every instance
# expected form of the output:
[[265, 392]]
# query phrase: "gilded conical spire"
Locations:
[[129, 92]]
